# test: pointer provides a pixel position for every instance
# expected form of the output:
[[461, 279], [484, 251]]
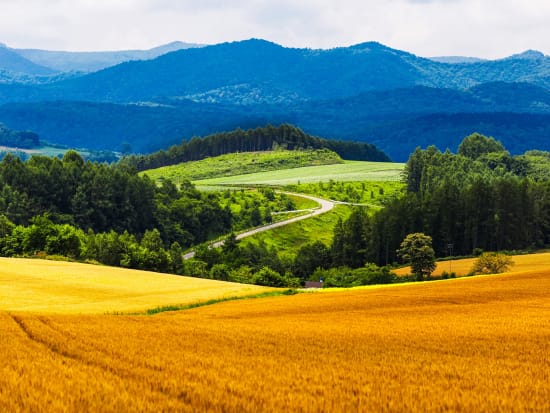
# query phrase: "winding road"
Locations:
[[324, 206]]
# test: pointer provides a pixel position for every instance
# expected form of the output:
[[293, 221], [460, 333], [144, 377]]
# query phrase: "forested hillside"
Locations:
[[252, 140], [396, 121], [18, 139]]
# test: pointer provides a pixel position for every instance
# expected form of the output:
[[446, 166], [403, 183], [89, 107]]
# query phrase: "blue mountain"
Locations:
[[363, 92]]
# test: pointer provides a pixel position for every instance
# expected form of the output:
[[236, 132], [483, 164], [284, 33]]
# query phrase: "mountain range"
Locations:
[[46, 62], [366, 92]]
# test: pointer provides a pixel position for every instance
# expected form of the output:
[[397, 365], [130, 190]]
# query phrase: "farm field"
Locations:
[[524, 262], [243, 162], [472, 344], [348, 171], [63, 287]]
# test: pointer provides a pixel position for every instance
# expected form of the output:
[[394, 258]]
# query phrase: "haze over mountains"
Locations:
[[65, 61], [366, 92]]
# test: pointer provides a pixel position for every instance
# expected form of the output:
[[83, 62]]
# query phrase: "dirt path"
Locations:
[[324, 206]]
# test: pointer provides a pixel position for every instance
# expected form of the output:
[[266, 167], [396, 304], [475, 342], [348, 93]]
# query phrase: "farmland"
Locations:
[[243, 163], [348, 171], [473, 344], [526, 262], [63, 287]]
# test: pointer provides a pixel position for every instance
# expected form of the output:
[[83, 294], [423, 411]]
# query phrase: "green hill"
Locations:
[[243, 163]]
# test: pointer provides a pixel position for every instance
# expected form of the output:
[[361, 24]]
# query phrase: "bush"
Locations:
[[346, 277], [492, 263], [268, 277]]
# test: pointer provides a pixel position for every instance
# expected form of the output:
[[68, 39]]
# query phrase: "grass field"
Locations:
[[360, 192], [243, 163], [471, 344], [348, 171], [63, 287]]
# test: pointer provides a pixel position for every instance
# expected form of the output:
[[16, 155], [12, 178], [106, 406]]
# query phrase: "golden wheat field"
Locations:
[[525, 262], [472, 344], [63, 287]]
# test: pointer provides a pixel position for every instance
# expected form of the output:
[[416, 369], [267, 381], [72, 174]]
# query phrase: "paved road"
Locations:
[[324, 206]]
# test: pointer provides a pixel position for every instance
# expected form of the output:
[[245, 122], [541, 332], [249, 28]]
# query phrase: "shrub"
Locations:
[[492, 263]]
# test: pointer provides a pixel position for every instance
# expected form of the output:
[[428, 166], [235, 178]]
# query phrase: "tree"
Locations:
[[417, 249], [176, 258], [351, 244], [309, 258], [492, 263], [476, 145]]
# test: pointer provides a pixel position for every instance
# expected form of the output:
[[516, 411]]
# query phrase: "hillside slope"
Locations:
[[63, 287], [396, 121]]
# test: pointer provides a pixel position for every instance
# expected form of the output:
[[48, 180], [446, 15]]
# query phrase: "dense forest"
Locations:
[[478, 199], [252, 140]]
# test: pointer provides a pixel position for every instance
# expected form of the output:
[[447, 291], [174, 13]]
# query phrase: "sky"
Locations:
[[480, 28]]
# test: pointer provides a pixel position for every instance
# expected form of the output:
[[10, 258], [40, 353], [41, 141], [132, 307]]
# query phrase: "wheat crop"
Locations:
[[472, 344]]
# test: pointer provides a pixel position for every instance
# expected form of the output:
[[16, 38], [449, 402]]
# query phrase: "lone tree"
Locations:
[[417, 249]]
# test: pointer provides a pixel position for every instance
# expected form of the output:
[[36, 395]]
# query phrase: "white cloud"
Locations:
[[424, 27]]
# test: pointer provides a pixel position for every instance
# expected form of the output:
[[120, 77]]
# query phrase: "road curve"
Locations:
[[324, 206]]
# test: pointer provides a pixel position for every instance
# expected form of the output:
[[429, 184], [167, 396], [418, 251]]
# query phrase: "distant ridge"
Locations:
[[11, 61], [456, 59], [66, 61], [260, 72]]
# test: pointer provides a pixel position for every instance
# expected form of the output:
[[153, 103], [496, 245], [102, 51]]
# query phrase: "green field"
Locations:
[[348, 171], [243, 163], [358, 192]]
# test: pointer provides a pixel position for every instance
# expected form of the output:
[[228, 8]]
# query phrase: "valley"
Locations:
[[245, 227]]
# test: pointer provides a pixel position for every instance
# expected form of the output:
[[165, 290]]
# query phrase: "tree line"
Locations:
[[252, 140]]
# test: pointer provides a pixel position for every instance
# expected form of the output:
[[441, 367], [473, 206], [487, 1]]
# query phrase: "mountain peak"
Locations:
[[370, 45], [259, 42], [529, 55]]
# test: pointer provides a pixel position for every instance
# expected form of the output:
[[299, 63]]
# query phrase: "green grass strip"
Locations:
[[182, 307]]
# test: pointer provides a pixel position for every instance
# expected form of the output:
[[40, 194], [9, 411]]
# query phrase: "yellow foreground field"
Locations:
[[63, 287], [526, 262], [479, 344]]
